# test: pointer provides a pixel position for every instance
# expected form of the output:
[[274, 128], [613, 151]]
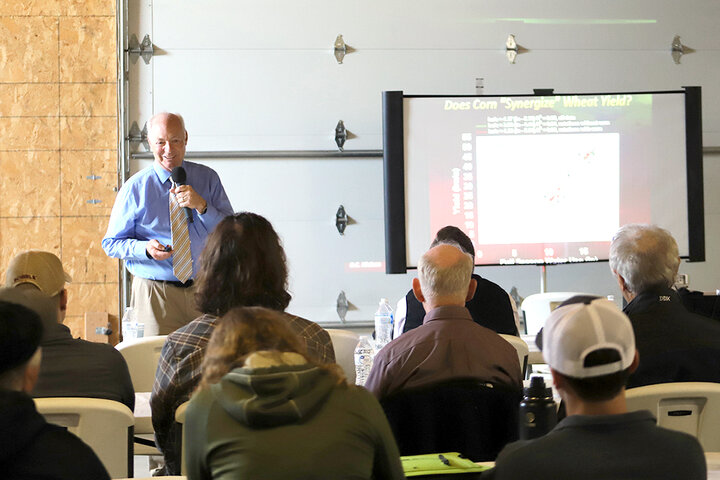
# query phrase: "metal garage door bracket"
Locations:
[[144, 49], [137, 136]]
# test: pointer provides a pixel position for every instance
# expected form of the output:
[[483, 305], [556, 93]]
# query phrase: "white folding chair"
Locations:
[[105, 425], [522, 350], [344, 343], [690, 407], [537, 308], [142, 356], [180, 418]]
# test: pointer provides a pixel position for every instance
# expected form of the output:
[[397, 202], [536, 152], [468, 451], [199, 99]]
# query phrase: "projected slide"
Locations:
[[575, 176], [543, 179]]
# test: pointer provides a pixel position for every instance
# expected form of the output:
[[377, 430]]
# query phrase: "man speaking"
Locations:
[[159, 224]]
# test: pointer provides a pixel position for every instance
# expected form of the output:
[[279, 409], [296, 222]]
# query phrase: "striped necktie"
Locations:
[[182, 258]]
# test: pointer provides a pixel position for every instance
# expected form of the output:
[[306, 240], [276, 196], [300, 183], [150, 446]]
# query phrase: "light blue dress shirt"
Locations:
[[141, 213]]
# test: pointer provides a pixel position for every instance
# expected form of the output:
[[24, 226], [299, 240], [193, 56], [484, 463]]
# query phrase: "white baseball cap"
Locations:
[[575, 330]]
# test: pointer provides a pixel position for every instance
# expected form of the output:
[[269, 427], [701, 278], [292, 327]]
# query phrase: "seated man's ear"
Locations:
[[416, 290], [63, 299], [620, 281], [471, 290], [32, 372], [635, 362]]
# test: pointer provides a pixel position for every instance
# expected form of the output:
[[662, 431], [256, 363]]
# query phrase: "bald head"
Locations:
[[444, 276], [168, 139]]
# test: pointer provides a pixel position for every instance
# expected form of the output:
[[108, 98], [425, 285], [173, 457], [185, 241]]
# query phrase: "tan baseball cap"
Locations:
[[42, 269]]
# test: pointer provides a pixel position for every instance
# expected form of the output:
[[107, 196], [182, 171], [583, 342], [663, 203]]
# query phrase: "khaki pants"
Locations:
[[163, 308]]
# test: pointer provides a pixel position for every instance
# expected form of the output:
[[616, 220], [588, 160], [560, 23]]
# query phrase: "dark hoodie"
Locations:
[[288, 421], [31, 448]]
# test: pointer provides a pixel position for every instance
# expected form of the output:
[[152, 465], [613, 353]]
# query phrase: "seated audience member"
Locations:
[[675, 345], [30, 447], [490, 306], [242, 264], [71, 367], [449, 344], [590, 349], [264, 409]]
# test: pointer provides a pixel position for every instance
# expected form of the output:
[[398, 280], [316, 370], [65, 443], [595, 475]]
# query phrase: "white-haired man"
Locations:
[[675, 345], [449, 344], [589, 346], [148, 230]]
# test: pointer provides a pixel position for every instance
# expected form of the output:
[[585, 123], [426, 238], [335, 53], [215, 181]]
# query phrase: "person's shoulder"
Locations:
[[704, 324], [197, 168], [522, 456], [682, 448], [139, 178], [199, 403], [100, 354], [357, 398], [196, 332], [101, 350], [487, 287], [411, 344], [303, 323], [657, 433]]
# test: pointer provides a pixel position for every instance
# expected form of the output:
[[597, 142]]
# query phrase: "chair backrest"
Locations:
[[142, 356], [690, 407], [344, 343], [462, 415], [522, 350], [537, 308], [180, 418], [105, 425]]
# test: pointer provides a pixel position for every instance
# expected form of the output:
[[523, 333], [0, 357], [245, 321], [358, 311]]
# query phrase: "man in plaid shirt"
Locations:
[[243, 264]]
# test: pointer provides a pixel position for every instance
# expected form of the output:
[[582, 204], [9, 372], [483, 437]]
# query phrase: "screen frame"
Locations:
[[394, 170]]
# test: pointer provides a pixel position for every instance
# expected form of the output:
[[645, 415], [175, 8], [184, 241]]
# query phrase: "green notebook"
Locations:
[[438, 463]]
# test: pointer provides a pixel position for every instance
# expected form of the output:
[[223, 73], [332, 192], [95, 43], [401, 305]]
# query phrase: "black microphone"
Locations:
[[179, 178]]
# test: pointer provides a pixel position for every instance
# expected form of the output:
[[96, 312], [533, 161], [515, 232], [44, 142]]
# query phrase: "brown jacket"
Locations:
[[449, 344]]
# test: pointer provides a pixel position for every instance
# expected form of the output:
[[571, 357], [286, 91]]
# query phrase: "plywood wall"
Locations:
[[58, 141]]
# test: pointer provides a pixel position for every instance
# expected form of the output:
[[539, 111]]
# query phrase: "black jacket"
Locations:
[[72, 367], [31, 448], [674, 344]]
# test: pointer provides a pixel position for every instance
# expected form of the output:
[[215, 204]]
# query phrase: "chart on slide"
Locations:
[[532, 185]]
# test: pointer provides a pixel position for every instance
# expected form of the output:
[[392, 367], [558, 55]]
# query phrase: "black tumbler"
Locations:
[[538, 412]]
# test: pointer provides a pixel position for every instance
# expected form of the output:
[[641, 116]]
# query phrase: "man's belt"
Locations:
[[187, 284]]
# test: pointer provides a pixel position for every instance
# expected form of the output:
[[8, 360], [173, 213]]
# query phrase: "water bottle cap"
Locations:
[[537, 388], [383, 300]]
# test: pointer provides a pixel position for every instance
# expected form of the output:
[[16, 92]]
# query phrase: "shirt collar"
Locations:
[[611, 421], [448, 312], [55, 332], [658, 295], [162, 174]]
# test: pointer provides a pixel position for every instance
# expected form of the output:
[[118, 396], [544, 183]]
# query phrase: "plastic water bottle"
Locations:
[[383, 324], [364, 354], [129, 325], [538, 412], [131, 328]]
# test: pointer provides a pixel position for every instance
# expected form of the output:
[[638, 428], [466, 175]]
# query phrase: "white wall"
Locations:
[[251, 75]]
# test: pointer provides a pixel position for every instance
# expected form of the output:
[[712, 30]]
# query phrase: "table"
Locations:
[[713, 464]]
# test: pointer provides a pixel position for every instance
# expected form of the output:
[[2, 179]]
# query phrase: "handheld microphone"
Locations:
[[179, 177]]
